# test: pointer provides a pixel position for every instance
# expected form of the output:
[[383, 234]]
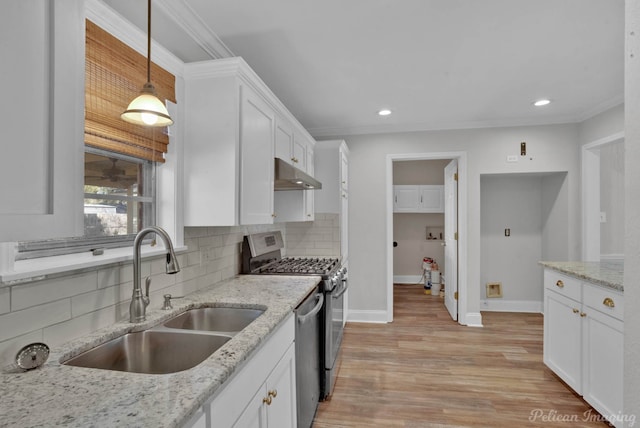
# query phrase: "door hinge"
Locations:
[[455, 295], [455, 176], [455, 236]]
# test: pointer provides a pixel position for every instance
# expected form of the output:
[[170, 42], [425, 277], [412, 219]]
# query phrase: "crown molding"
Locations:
[[189, 21]]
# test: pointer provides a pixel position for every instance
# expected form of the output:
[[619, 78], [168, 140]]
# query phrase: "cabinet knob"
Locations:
[[267, 400], [575, 311], [608, 302], [294, 160], [344, 182], [274, 215], [582, 314], [308, 215], [273, 393], [559, 283]]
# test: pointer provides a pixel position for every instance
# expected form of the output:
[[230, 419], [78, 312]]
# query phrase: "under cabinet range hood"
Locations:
[[288, 177]]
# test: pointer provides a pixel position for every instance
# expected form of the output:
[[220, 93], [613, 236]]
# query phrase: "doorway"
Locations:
[[603, 211], [460, 287]]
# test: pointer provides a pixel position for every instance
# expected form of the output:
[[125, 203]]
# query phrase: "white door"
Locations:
[[450, 238]]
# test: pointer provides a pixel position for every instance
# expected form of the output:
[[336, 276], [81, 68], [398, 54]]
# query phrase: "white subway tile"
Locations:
[[25, 321], [109, 277], [79, 326], [40, 292], [90, 302]]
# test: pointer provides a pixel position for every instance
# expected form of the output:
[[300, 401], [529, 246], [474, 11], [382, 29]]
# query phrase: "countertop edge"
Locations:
[[605, 274]]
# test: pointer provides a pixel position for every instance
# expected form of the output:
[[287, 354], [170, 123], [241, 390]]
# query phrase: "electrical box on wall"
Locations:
[[494, 289]]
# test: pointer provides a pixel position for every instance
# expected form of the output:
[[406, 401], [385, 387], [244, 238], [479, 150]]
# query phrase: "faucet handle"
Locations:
[[147, 284], [167, 301]]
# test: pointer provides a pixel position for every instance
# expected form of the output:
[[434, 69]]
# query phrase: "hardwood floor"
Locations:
[[425, 370]]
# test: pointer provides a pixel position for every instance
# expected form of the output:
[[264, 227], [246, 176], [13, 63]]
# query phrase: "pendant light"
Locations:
[[146, 109]]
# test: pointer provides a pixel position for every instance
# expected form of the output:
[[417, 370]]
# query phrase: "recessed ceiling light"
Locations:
[[384, 112], [541, 103]]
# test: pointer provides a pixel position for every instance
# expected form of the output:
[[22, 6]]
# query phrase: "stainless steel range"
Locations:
[[261, 255]]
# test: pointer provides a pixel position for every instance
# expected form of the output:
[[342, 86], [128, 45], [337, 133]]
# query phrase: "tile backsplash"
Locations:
[[63, 307], [316, 238]]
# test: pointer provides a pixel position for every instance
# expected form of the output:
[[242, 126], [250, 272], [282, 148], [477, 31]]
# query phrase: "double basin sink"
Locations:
[[178, 344]]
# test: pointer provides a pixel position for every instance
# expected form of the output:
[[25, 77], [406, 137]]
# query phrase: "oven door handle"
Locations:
[[304, 318], [344, 290]]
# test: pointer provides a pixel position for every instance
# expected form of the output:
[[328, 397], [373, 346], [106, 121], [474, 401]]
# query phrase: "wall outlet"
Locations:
[[603, 217], [512, 158]]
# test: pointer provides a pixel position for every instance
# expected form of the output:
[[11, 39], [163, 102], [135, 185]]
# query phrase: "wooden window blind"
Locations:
[[114, 75]]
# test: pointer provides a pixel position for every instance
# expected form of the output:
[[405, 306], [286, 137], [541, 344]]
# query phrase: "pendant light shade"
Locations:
[[146, 109]]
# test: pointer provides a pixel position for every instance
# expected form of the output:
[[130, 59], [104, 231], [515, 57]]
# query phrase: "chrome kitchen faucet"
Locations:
[[139, 302]]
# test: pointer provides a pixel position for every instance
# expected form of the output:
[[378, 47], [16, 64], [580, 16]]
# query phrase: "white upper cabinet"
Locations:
[[332, 169], [418, 199], [42, 119], [234, 127], [230, 127]]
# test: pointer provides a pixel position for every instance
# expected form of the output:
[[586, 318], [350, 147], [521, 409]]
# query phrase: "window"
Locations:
[[118, 194], [120, 158]]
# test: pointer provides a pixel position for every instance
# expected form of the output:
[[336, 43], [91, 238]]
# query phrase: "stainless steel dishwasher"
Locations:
[[309, 365]]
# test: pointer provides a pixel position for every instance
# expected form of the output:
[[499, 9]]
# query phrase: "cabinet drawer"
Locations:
[[563, 284], [604, 300]]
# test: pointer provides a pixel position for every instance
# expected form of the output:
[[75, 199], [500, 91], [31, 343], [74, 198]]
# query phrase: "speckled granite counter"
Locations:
[[606, 273], [56, 394]]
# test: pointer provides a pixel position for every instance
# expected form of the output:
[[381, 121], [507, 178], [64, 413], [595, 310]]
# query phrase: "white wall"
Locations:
[[602, 125], [525, 204], [550, 148], [632, 210]]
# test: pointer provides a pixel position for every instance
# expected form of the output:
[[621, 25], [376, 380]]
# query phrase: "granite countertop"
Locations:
[[607, 273], [55, 394]]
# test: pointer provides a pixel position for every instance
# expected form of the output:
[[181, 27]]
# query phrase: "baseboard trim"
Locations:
[[496, 305], [356, 315], [473, 319], [407, 279]]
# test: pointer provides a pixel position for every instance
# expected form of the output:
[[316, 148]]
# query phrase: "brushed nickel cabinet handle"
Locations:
[[559, 283], [608, 302]]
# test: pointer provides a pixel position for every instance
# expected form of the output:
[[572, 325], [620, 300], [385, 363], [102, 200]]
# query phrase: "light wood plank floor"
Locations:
[[424, 370]]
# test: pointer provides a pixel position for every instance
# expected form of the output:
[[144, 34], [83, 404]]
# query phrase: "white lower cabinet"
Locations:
[[273, 405], [583, 340], [263, 392]]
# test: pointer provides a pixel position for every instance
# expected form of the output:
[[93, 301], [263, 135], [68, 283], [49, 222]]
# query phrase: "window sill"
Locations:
[[37, 269]]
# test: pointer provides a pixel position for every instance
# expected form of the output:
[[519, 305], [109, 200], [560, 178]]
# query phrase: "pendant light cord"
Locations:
[[148, 40]]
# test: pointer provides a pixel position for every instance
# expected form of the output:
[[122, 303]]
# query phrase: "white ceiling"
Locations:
[[437, 64]]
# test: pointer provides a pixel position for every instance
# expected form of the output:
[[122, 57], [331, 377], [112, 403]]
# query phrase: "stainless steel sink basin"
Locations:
[[220, 319], [152, 352]]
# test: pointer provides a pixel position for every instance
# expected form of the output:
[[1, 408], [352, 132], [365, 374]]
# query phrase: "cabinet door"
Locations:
[[406, 198], [281, 387], [257, 124], [344, 171], [284, 140], [432, 199], [563, 338], [299, 156], [254, 415], [602, 353], [42, 119], [309, 195]]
